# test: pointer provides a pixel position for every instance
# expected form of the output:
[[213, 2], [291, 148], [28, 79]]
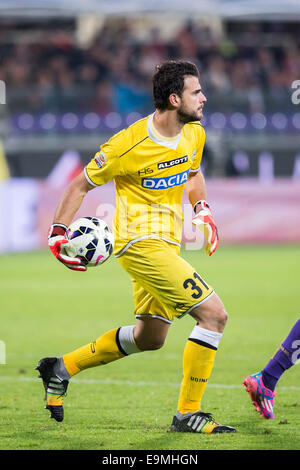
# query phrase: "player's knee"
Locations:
[[222, 316], [219, 314], [156, 345], [150, 345], [218, 317]]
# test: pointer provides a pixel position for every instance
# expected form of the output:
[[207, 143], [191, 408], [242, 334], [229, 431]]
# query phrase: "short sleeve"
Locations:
[[104, 166], [200, 141]]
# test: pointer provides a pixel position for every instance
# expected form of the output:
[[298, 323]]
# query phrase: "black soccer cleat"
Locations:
[[55, 389], [57, 412], [199, 422]]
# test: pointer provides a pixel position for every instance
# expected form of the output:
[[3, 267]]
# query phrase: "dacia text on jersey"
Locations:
[[167, 182]]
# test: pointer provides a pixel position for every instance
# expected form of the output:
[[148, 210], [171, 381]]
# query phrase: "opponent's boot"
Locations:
[[261, 396]]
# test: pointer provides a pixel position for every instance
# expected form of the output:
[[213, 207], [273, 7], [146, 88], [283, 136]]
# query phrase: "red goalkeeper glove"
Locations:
[[204, 220], [56, 242]]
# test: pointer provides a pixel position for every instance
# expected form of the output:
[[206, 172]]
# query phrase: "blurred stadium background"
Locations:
[[73, 73]]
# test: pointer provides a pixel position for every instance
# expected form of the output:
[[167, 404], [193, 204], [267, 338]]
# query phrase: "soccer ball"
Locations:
[[91, 240]]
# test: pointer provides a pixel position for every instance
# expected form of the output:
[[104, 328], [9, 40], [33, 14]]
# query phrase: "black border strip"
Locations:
[[147, 137], [203, 343], [119, 344]]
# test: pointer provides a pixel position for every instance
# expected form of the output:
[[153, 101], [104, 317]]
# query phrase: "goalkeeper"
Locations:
[[151, 163]]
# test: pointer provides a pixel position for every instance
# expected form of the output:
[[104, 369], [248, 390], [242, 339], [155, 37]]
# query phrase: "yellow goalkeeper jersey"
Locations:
[[149, 172]]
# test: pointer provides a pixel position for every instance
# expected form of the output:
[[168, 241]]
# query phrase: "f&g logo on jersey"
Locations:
[[145, 171], [167, 182]]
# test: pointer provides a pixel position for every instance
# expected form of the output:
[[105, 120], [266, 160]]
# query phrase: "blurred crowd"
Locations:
[[113, 73]]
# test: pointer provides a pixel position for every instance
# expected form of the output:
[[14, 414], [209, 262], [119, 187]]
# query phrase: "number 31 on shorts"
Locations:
[[192, 284]]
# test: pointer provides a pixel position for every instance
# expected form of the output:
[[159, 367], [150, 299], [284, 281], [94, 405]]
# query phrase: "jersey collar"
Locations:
[[160, 140]]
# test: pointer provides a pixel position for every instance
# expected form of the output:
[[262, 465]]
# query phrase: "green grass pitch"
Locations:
[[48, 310]]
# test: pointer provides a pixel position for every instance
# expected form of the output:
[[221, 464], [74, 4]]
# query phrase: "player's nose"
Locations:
[[202, 98]]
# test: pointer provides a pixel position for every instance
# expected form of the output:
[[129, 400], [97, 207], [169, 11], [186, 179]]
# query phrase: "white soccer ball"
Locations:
[[91, 240]]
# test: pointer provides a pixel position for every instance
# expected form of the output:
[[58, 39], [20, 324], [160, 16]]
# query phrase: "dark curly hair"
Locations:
[[168, 79]]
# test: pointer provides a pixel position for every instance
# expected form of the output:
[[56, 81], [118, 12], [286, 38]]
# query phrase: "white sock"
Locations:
[[126, 340], [203, 336]]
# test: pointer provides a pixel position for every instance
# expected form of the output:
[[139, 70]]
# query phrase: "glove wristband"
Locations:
[[202, 203], [57, 229]]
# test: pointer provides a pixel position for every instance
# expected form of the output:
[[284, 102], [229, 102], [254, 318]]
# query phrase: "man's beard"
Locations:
[[184, 117]]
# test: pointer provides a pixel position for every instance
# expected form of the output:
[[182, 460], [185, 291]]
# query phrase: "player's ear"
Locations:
[[174, 100]]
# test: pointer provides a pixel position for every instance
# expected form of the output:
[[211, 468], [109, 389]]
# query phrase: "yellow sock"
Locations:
[[101, 351], [198, 362]]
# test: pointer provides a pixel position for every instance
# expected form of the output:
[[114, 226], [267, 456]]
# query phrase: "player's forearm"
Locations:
[[68, 206], [196, 188], [71, 200]]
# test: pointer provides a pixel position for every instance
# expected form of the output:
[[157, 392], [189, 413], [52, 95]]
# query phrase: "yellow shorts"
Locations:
[[164, 284]]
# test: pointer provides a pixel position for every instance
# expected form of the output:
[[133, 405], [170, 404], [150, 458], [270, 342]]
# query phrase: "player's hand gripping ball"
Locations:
[[57, 243]]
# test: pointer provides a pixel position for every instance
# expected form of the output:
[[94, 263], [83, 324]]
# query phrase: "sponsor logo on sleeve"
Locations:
[[100, 159], [167, 182], [170, 163]]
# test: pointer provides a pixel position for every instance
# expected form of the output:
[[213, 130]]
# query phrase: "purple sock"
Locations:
[[283, 359]]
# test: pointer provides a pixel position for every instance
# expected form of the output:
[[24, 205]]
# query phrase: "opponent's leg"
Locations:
[[284, 358], [261, 385]]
